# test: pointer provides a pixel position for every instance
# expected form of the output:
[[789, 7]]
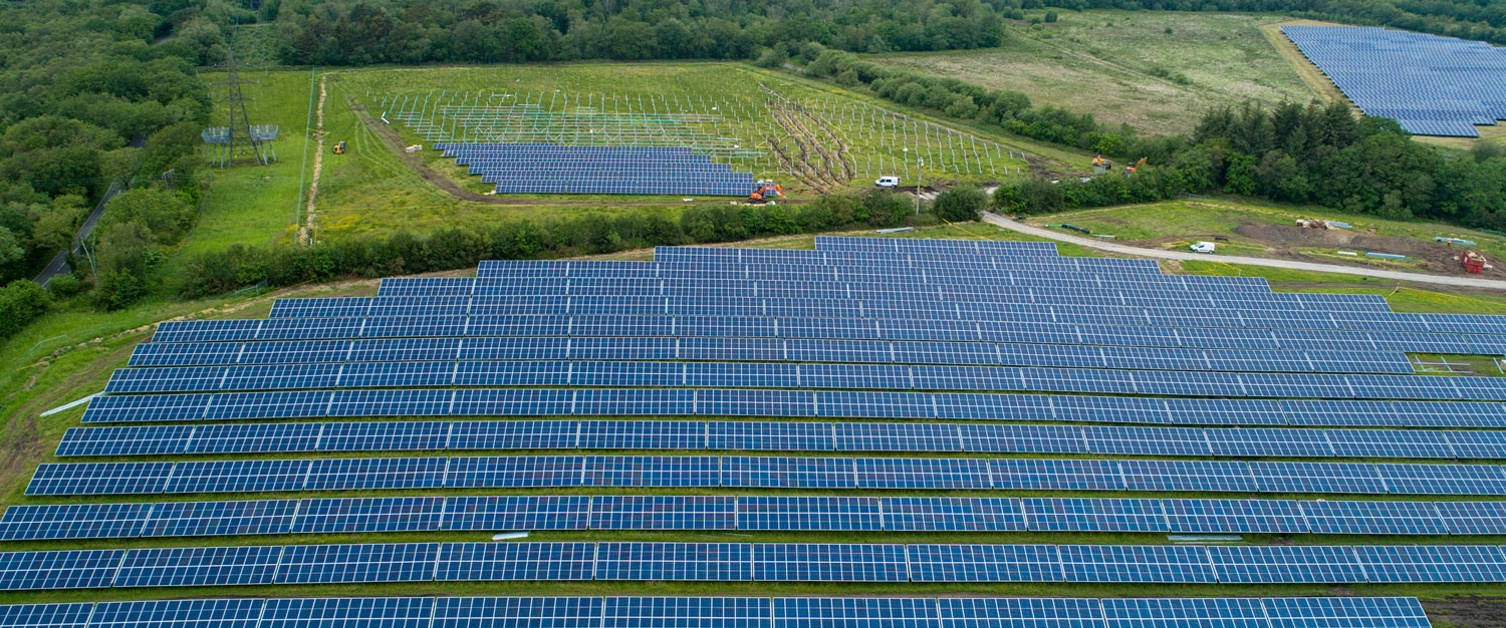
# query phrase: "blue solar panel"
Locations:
[[1372, 517], [518, 612], [953, 514], [721, 562], [369, 514], [172, 519], [515, 561], [984, 563], [241, 613], [809, 513], [73, 521], [508, 513], [1184, 613], [1288, 563], [1235, 516], [853, 612], [198, 566], [663, 512], [1094, 515], [66, 569], [387, 612], [1432, 563], [1136, 563], [788, 562], [74, 615], [332, 564]]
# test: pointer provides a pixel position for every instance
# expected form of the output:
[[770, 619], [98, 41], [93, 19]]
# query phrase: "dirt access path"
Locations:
[[1464, 282], [308, 226]]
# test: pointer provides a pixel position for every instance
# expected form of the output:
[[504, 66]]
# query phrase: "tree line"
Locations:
[[361, 32]]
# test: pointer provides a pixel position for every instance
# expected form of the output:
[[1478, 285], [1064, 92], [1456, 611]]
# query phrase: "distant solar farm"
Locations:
[[1430, 85], [916, 388], [698, 131]]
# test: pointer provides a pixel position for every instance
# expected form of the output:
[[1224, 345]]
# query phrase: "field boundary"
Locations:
[[1311, 74]]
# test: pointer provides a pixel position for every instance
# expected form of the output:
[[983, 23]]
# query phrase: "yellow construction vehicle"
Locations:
[[340, 148]]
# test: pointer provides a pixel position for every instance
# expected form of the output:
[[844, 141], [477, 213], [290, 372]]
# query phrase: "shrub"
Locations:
[[960, 204]]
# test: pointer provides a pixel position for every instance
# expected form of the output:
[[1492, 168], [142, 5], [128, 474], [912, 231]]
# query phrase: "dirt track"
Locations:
[[1466, 282]]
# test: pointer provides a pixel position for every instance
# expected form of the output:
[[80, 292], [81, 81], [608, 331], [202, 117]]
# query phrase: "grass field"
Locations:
[[1156, 71], [374, 189], [756, 120]]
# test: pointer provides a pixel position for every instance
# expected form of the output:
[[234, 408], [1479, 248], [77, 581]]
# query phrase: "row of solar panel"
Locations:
[[651, 188], [703, 348], [1123, 307], [748, 513], [583, 346], [828, 377], [702, 362], [1138, 309], [1118, 302], [786, 403], [683, 261], [713, 612], [1041, 332], [161, 440], [744, 562], [1012, 474]]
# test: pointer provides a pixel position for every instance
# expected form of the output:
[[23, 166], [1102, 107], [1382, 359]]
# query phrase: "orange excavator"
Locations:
[[766, 190]]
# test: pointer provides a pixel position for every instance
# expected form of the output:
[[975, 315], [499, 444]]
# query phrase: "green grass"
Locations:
[[1109, 63]]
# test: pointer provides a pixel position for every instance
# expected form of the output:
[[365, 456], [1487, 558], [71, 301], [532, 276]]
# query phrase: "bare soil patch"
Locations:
[[1435, 257], [1467, 611]]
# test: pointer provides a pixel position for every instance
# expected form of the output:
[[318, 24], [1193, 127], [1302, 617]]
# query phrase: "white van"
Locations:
[[887, 182], [1202, 247]]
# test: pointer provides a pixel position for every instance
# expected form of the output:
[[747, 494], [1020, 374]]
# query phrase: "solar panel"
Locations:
[[73, 521], [1432, 563], [338, 564], [269, 516], [1286, 563], [626, 612], [790, 562], [721, 562], [1235, 516], [809, 513], [1371, 517], [509, 513], [369, 514], [952, 514], [235, 613], [515, 561], [518, 612], [1184, 613], [853, 612], [64, 569], [1020, 612], [784, 472], [662, 471], [1136, 563], [1094, 515], [66, 615], [1301, 612], [984, 563], [387, 612], [198, 566], [664, 512]]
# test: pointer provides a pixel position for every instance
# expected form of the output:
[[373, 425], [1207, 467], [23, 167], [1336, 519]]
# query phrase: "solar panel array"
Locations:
[[624, 612], [1007, 474], [192, 439], [957, 357], [749, 562], [1431, 85], [748, 513], [558, 169]]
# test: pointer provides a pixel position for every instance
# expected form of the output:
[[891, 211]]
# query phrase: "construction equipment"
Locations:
[[1312, 223], [1474, 262], [1135, 167], [766, 189], [340, 148], [1101, 165]]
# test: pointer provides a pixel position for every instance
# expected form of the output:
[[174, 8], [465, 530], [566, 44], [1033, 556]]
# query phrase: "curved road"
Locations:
[[1467, 282]]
